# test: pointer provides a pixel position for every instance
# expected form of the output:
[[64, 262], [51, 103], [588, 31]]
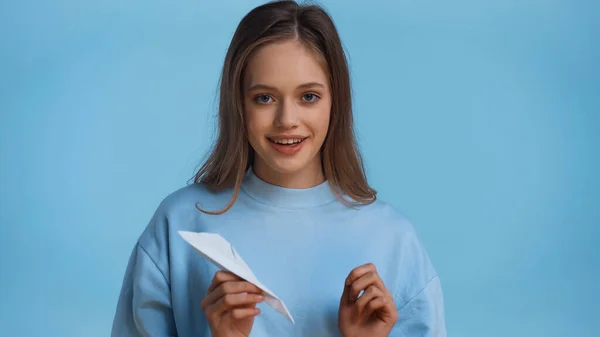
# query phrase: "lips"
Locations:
[[288, 146]]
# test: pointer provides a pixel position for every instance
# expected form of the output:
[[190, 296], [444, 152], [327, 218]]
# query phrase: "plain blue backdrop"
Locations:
[[478, 119]]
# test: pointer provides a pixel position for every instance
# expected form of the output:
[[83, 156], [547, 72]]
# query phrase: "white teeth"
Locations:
[[286, 141]]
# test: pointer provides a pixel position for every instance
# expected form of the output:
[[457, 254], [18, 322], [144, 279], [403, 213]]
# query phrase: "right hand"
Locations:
[[230, 305]]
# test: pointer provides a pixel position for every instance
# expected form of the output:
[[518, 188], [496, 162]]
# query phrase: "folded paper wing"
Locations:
[[218, 250]]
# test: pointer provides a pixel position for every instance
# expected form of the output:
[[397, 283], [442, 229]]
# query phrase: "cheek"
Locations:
[[255, 124], [322, 122]]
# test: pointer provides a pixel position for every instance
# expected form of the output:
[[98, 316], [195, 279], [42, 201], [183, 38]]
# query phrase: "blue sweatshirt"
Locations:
[[301, 243]]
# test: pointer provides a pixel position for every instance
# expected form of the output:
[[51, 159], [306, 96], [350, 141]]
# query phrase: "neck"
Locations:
[[309, 176]]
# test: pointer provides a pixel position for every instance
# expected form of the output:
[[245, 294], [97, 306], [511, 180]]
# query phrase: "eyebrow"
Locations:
[[301, 86]]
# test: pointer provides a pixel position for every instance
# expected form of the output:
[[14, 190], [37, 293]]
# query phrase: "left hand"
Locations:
[[374, 313]]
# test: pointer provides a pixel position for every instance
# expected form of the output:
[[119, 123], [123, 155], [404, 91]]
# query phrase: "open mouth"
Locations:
[[287, 142]]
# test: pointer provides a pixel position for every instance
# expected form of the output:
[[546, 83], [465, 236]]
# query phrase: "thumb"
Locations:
[[345, 299]]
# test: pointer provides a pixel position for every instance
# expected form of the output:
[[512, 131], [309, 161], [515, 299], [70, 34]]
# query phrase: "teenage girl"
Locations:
[[285, 185]]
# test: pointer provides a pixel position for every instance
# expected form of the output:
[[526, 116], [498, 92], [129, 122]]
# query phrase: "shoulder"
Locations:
[[383, 216], [190, 197], [390, 225], [179, 210]]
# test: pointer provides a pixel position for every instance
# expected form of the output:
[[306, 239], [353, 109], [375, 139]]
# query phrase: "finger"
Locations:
[[231, 287], [232, 301], [360, 271], [367, 297], [345, 299], [384, 307], [220, 277], [241, 313], [369, 279], [235, 287]]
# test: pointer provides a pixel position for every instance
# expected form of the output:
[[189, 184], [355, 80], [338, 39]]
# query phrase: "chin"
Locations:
[[288, 166]]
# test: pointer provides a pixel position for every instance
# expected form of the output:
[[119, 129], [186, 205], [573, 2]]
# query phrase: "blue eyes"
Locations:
[[263, 99], [310, 97], [267, 99]]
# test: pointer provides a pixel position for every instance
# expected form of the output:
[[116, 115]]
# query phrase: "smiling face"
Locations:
[[287, 106]]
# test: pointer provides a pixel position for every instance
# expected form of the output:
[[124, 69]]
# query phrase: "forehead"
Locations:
[[285, 65]]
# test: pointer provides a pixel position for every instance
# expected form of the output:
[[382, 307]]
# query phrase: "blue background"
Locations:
[[478, 119]]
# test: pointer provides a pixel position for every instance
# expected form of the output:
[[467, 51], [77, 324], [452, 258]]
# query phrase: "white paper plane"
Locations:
[[218, 250]]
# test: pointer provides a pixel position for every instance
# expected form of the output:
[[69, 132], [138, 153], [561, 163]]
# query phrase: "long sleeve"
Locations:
[[423, 315], [144, 305]]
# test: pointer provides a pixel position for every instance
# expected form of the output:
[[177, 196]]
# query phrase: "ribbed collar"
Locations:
[[289, 198]]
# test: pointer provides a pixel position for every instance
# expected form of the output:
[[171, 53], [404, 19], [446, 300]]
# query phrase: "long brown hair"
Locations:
[[232, 154]]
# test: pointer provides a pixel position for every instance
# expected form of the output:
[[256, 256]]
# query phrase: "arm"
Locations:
[[144, 306], [422, 315]]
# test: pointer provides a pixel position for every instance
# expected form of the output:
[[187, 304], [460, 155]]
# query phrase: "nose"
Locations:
[[287, 115]]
